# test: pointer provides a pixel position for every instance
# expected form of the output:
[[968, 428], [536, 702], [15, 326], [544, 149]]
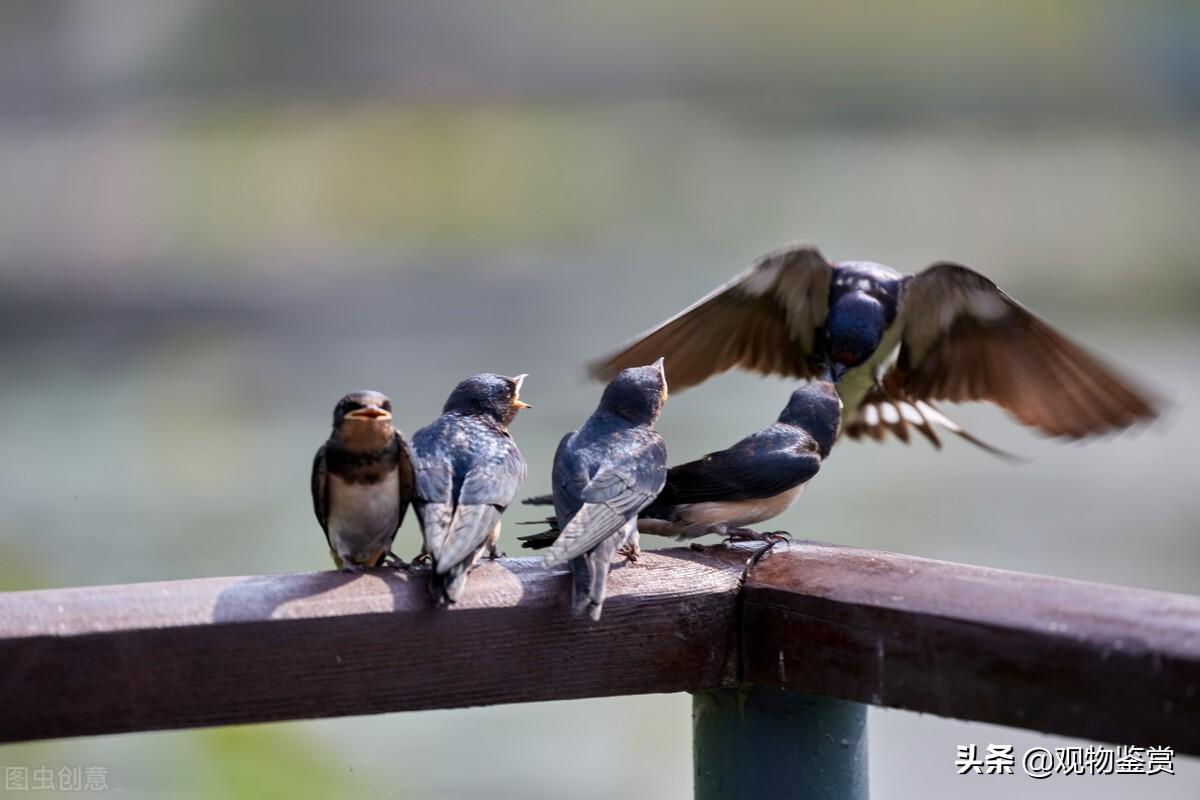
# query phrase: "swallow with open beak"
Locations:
[[754, 480], [468, 470], [604, 474], [362, 481], [894, 344]]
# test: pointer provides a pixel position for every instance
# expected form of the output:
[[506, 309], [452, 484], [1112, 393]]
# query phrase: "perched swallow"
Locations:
[[468, 470], [362, 480], [604, 474], [753, 481], [894, 344]]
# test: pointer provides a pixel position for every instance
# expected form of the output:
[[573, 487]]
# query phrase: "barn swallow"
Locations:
[[468, 470], [604, 474], [894, 344], [754, 480], [362, 480]]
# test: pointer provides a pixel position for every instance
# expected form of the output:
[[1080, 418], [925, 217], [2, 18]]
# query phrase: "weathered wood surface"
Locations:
[[190, 653], [1101, 662]]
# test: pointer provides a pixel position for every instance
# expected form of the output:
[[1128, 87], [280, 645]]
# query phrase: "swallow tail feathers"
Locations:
[[469, 530]]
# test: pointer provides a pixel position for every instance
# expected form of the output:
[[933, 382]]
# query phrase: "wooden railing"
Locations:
[[1100, 662]]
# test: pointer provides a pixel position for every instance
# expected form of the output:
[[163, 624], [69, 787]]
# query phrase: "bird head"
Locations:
[[367, 407], [853, 330], [363, 420], [816, 408], [637, 394], [489, 395]]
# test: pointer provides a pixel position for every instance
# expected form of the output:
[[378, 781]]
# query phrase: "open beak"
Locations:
[[370, 413], [517, 402]]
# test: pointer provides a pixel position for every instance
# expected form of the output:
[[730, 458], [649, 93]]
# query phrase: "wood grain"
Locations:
[[1099, 662], [191, 653], [1107, 663]]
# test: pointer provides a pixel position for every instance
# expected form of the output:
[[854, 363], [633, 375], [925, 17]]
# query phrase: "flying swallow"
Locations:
[[752, 481], [362, 480], [468, 470], [894, 344], [604, 474]]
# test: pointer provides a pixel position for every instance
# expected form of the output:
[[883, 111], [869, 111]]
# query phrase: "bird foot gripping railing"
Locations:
[[783, 648]]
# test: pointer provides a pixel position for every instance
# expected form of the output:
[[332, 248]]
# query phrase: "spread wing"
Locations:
[[320, 490], [964, 339], [486, 491], [612, 497], [885, 411], [765, 320], [756, 467]]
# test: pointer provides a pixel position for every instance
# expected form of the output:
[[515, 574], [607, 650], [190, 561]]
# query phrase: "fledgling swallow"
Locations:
[[755, 480], [362, 480], [894, 344], [468, 470], [604, 474]]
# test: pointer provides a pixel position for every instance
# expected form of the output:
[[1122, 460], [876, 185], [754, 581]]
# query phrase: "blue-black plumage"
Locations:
[[604, 474], [468, 469], [753, 480], [894, 343]]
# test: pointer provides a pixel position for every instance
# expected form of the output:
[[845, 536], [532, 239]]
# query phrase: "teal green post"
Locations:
[[758, 742]]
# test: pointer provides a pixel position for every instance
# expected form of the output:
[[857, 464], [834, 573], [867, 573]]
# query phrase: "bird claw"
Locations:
[[631, 552], [748, 535], [423, 558], [392, 561]]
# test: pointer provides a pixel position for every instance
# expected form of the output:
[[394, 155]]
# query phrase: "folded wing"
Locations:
[[611, 498], [486, 491], [757, 467]]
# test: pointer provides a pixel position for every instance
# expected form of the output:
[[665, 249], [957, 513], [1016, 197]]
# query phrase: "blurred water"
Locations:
[[139, 450]]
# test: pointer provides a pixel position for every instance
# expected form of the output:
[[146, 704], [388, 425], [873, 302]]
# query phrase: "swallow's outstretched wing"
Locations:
[[613, 496], [965, 339], [764, 320]]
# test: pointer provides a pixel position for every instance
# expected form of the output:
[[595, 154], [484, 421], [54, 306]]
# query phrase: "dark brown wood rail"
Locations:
[[1100, 662]]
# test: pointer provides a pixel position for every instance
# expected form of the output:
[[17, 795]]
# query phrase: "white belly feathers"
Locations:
[[739, 513], [363, 517]]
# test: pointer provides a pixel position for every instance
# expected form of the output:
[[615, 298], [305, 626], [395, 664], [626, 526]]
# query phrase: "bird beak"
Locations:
[[837, 371], [660, 365], [370, 413], [517, 402]]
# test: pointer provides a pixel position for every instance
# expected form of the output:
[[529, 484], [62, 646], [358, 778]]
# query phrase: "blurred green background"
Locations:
[[217, 217]]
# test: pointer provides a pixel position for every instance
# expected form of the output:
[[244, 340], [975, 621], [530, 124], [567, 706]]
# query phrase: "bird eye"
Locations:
[[387, 405]]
